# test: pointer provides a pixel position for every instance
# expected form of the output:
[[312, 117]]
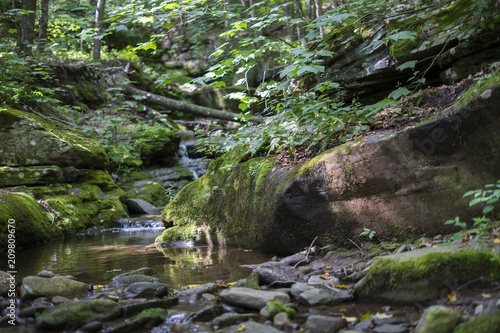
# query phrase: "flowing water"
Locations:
[[102, 254]]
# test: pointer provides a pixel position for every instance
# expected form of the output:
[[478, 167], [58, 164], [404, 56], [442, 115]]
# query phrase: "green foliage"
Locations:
[[368, 233], [482, 226]]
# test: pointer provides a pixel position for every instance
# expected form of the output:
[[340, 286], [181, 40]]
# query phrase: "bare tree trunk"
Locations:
[[26, 34], [99, 15], [44, 22], [185, 107]]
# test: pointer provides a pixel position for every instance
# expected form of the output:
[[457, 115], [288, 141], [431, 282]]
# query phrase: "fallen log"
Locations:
[[185, 107]]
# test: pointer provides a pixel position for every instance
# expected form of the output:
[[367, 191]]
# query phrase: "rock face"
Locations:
[[53, 173], [29, 140], [399, 184]]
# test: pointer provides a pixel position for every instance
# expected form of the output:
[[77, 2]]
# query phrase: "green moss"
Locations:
[[37, 175], [487, 324], [32, 223], [251, 281], [276, 307], [188, 232], [153, 314], [440, 268]]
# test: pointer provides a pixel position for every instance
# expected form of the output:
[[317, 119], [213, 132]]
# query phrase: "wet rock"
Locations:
[[252, 327], [251, 281], [34, 286], [438, 319], [228, 319], [135, 306], [74, 315], [208, 313], [251, 298], [276, 272], [392, 328], [146, 289], [140, 206], [294, 259], [127, 280], [6, 282], [324, 324], [273, 308], [320, 296], [144, 320], [198, 290]]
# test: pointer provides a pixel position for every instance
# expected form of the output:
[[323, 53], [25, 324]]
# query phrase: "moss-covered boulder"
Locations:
[[400, 184], [22, 214], [426, 274], [486, 324], [38, 175], [30, 140], [438, 319], [71, 316]]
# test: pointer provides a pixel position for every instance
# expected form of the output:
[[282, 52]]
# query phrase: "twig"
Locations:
[[362, 252], [307, 253], [332, 288]]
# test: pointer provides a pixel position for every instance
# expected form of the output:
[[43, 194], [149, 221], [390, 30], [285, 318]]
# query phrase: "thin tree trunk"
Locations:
[[26, 34], [99, 15], [44, 22], [185, 107]]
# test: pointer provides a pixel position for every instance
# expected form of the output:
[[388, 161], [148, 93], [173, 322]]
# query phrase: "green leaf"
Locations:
[[408, 64], [403, 35], [220, 84], [400, 92], [240, 25], [488, 209]]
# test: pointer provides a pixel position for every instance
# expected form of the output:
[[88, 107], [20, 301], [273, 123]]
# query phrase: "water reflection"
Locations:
[[98, 258]]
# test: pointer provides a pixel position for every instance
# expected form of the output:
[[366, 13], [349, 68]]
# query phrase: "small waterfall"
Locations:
[[141, 223], [196, 165]]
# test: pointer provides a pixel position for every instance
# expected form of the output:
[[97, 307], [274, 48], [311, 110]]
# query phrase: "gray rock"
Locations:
[[132, 307], [92, 327], [60, 299], [281, 319], [228, 319], [77, 314], [251, 298], [207, 288], [318, 280], [127, 280], [438, 319], [320, 296], [7, 282], [294, 259], [298, 288], [252, 327], [276, 272], [35, 286], [146, 289], [144, 320], [140, 206], [324, 324], [208, 313]]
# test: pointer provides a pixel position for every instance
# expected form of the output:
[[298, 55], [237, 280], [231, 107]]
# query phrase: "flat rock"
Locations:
[[277, 272], [207, 288], [35, 286], [228, 319], [251, 298], [78, 314], [127, 280], [146, 289], [132, 307], [324, 324], [140, 206], [298, 288], [321, 296], [294, 259]]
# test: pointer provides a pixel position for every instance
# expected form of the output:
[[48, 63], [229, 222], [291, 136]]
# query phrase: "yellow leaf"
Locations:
[[328, 267], [231, 283], [452, 297], [192, 285], [341, 286], [342, 309], [496, 241], [325, 276], [98, 286], [241, 328], [486, 295]]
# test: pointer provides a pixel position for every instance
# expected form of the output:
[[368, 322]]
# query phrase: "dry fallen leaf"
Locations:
[[325, 276], [452, 297]]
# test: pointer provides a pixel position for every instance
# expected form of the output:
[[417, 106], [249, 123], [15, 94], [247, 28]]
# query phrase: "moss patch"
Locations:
[[276, 307], [188, 232], [489, 323]]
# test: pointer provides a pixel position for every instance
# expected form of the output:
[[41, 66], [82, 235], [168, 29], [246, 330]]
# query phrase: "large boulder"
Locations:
[[398, 183], [30, 140], [426, 274]]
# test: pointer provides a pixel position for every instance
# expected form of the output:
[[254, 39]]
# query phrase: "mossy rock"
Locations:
[[152, 192], [38, 175], [438, 319], [184, 233], [483, 324], [275, 307], [30, 140], [74, 315], [35, 286], [251, 281], [426, 274], [31, 222]]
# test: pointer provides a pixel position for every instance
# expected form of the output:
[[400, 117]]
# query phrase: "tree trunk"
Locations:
[[44, 22], [99, 15], [26, 34], [185, 107]]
